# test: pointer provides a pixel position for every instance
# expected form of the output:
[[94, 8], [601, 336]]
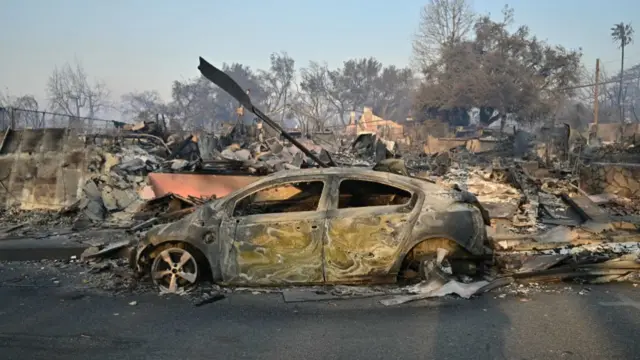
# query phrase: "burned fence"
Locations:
[[17, 118]]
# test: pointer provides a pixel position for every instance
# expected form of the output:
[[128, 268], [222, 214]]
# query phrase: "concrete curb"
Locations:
[[57, 244], [40, 249]]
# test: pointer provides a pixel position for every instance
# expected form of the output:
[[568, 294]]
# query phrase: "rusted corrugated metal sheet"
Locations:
[[198, 185]]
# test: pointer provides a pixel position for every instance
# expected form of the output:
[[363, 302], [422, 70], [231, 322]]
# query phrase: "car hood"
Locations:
[[189, 227]]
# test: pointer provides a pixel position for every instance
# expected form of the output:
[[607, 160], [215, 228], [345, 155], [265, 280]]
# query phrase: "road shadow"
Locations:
[[613, 316], [475, 329]]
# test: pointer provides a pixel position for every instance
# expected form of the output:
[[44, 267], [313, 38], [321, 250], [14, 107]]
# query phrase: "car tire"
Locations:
[[176, 269]]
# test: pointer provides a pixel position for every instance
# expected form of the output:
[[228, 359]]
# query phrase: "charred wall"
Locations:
[[41, 168]]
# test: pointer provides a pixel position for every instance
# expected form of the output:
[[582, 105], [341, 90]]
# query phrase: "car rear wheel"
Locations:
[[416, 268], [430, 269], [175, 270]]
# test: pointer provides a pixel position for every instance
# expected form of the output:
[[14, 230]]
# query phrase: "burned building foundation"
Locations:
[[622, 179]]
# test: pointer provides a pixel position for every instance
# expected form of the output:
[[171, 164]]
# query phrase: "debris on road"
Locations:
[[438, 283], [294, 295], [106, 251], [210, 298]]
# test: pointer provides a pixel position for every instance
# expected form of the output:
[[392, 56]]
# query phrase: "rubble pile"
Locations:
[[239, 151], [370, 148], [545, 227], [589, 264], [112, 190], [109, 196], [267, 157]]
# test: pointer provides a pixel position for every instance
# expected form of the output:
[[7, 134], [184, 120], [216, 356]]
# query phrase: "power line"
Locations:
[[599, 83], [627, 59]]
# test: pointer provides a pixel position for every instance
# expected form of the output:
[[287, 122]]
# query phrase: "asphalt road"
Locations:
[[39, 321]]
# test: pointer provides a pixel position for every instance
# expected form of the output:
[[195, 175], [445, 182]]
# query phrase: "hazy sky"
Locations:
[[146, 44]]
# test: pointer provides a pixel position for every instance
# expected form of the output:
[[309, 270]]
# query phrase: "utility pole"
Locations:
[[595, 98], [284, 106], [13, 118]]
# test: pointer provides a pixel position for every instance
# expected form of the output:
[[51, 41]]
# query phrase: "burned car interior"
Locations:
[[360, 193], [305, 196], [284, 198]]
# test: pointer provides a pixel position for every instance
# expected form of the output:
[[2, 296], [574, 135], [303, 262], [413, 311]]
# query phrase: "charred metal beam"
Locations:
[[133, 136], [226, 83], [178, 150]]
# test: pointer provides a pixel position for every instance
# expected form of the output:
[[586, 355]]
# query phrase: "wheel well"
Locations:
[[408, 268], [152, 251], [431, 246]]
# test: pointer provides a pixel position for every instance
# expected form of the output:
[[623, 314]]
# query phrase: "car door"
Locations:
[[366, 222], [278, 234]]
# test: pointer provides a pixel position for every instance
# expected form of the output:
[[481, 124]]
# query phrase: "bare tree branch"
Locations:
[[142, 104], [311, 105], [277, 81], [442, 23], [70, 92]]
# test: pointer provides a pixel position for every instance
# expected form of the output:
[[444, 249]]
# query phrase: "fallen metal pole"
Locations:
[[287, 136], [226, 83]]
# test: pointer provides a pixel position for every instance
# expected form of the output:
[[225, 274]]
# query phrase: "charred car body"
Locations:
[[314, 226]]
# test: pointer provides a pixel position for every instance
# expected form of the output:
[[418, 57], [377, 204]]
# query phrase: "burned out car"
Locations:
[[315, 226]]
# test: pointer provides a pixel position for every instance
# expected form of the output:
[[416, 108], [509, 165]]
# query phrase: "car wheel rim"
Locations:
[[175, 270]]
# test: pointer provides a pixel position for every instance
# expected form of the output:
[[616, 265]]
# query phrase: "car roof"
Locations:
[[329, 171], [357, 172]]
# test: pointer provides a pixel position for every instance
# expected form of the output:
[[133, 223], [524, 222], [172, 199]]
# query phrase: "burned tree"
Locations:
[[196, 103], [391, 96], [352, 86], [366, 82], [443, 23], [70, 92], [310, 105], [248, 79], [142, 105], [337, 90], [192, 104], [622, 34], [277, 83], [500, 73]]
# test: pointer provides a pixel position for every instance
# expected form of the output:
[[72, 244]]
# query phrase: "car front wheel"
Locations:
[[175, 270]]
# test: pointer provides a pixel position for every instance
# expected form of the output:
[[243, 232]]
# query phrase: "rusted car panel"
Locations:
[[363, 246], [335, 241], [194, 229], [270, 249], [362, 243]]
